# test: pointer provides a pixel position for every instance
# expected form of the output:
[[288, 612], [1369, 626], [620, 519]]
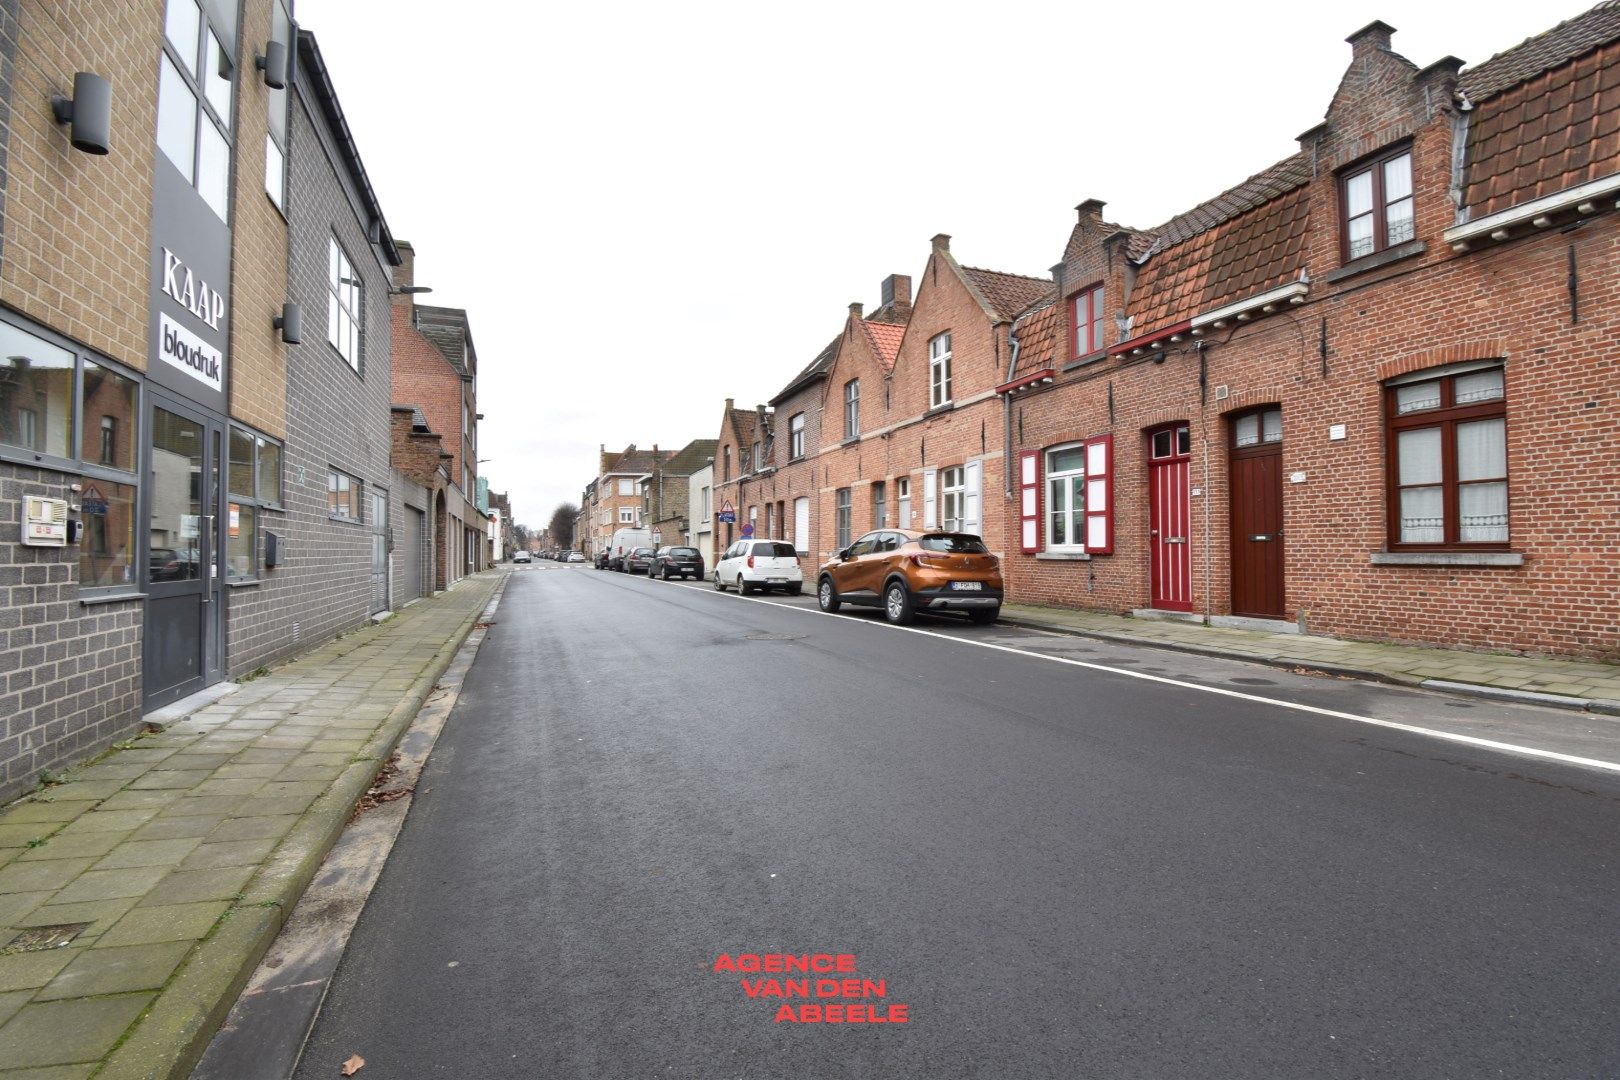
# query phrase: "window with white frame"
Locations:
[[796, 436], [343, 301], [342, 496], [953, 498], [1066, 498], [627, 486], [939, 370], [627, 515], [852, 408], [902, 499], [195, 84]]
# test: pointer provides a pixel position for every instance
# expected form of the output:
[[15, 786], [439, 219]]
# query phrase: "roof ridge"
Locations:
[[1272, 182], [1009, 273], [1497, 72]]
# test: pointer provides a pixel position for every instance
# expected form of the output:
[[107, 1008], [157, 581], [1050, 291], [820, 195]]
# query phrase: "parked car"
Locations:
[[905, 572], [602, 561], [681, 562], [575, 556], [639, 561], [625, 541], [521, 557], [759, 564]]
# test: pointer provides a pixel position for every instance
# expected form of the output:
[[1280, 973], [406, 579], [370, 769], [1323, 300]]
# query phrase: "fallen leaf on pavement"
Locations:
[[353, 1065]]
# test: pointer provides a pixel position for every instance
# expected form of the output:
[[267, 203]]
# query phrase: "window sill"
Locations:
[[1374, 261], [851, 441], [344, 520], [938, 409], [1447, 558], [110, 598], [1085, 361], [1063, 556], [245, 583]]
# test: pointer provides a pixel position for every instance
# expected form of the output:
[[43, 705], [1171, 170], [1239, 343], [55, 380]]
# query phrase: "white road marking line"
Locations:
[[1393, 725]]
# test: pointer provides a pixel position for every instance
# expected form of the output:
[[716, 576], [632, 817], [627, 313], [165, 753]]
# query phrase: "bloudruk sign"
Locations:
[[813, 988]]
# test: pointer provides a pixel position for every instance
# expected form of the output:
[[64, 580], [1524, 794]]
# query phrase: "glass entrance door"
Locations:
[[184, 623]]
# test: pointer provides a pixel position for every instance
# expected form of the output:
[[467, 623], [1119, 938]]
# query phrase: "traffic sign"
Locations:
[[727, 514], [748, 529]]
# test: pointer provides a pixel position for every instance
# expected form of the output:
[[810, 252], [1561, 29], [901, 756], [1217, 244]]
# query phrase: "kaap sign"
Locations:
[[728, 513]]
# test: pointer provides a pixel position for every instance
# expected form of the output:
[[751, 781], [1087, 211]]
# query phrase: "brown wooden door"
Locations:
[[1257, 515], [1169, 518]]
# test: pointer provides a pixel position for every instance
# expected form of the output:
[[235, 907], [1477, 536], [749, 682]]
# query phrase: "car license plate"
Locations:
[[967, 586], [776, 581]]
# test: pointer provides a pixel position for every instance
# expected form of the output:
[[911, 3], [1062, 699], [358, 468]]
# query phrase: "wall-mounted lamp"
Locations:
[[374, 231], [274, 64], [1160, 357], [89, 111], [290, 322], [407, 290]]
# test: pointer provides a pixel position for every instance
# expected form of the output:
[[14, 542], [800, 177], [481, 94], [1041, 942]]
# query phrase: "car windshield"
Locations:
[[953, 544], [771, 549], [642, 551], [683, 551]]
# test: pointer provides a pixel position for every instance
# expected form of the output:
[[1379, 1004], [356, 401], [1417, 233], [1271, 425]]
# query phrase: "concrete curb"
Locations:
[[171, 1036], [1499, 693]]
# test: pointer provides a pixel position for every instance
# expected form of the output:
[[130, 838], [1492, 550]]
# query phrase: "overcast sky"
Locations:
[[649, 207]]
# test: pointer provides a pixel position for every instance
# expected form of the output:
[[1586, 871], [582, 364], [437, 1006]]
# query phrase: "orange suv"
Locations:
[[906, 572]]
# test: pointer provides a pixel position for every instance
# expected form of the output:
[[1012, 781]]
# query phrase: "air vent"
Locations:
[[1222, 393]]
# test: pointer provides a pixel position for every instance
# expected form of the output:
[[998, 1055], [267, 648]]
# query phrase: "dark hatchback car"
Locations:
[[681, 562], [602, 560], [638, 561]]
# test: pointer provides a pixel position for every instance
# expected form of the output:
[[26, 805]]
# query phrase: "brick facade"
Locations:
[[1323, 357]]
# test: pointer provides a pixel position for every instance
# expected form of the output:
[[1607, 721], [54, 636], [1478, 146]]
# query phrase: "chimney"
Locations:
[[1057, 276], [942, 242], [856, 309], [1374, 36], [730, 404], [1091, 211], [405, 272], [897, 290]]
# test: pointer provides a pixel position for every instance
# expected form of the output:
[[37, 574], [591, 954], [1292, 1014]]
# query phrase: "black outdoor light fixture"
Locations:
[[89, 111], [290, 322], [274, 64], [407, 290]]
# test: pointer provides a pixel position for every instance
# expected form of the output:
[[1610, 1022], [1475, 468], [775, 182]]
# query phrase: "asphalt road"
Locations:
[[1060, 871]]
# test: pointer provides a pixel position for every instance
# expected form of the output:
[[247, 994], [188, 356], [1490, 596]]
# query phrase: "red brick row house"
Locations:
[[1371, 391]]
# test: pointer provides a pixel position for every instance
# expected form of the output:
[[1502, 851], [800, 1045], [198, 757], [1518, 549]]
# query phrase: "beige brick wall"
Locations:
[[77, 225], [259, 266]]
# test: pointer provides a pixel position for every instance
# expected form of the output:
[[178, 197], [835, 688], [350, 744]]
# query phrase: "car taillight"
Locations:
[[750, 562], [922, 560]]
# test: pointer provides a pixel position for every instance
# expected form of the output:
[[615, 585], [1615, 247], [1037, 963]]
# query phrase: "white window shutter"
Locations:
[[972, 518], [930, 498]]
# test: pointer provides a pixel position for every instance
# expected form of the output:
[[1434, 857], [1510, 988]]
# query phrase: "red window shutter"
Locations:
[[1029, 501], [1100, 495]]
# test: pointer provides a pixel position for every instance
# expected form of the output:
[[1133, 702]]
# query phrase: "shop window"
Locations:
[[1447, 441]]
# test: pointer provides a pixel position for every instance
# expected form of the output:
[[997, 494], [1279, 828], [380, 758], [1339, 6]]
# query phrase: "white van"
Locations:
[[623, 543]]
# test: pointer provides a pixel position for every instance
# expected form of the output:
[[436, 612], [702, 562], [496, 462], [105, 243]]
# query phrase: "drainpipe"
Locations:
[[1006, 413], [1208, 540]]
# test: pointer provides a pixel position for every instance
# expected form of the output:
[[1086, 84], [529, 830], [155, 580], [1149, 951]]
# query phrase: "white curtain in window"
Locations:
[[1481, 450]]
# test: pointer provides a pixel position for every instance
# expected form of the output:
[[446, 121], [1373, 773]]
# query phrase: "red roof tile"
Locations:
[[1008, 295], [1242, 256], [885, 338], [1558, 129], [1550, 49], [1041, 336]]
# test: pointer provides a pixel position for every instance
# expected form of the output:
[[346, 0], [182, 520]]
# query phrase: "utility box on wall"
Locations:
[[45, 522]]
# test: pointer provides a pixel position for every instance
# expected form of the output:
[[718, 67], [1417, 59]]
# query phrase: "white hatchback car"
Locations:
[[759, 564]]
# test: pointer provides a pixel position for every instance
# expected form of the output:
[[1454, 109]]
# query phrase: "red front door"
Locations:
[[1169, 518], [1255, 464]]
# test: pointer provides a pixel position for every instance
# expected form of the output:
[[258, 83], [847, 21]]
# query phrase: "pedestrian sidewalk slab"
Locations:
[[138, 895], [1538, 680]]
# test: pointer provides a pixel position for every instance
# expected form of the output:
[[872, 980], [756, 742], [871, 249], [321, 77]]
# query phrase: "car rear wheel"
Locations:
[[827, 596], [897, 604], [666, 573], [985, 616], [743, 586]]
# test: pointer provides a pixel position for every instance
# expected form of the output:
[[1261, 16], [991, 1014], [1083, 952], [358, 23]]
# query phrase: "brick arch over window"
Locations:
[[1161, 417], [1248, 399], [1484, 349]]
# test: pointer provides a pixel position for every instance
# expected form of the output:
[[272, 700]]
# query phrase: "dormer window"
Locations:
[[1086, 317], [1375, 205]]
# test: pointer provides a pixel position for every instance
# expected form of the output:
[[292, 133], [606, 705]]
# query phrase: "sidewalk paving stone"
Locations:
[[181, 851], [1576, 680]]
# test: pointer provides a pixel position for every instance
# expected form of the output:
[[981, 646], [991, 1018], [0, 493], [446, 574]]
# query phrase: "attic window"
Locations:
[[1375, 205]]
